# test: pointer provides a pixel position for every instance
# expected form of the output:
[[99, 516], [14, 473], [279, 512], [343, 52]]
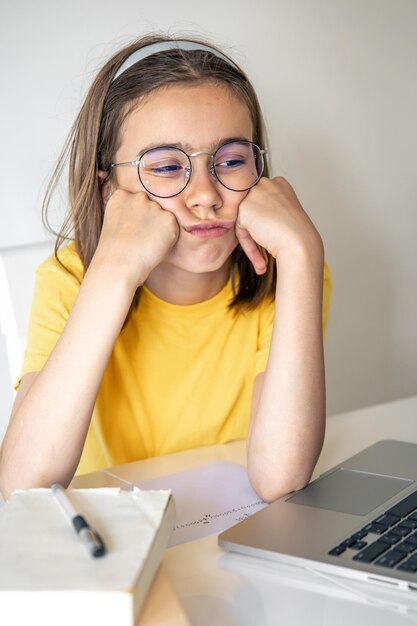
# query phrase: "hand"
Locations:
[[271, 218], [136, 235]]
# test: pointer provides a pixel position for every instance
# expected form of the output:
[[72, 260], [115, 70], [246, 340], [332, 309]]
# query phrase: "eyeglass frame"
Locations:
[[189, 170]]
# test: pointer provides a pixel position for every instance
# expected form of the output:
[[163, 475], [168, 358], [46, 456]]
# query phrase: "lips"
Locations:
[[207, 230]]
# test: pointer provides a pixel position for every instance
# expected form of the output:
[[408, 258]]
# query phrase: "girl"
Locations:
[[187, 310]]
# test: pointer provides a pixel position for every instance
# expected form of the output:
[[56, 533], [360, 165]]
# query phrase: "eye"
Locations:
[[164, 163], [165, 170], [232, 156], [231, 162]]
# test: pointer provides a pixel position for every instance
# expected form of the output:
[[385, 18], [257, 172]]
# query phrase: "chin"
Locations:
[[202, 261], [195, 267]]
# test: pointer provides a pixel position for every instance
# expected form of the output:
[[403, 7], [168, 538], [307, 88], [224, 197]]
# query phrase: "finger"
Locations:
[[256, 255]]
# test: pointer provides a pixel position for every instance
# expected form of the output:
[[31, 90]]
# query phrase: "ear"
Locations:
[[105, 186]]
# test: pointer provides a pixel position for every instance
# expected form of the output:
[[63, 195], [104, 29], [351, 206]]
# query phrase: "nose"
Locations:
[[202, 192]]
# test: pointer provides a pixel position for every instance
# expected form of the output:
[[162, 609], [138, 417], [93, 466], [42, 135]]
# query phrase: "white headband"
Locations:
[[161, 46]]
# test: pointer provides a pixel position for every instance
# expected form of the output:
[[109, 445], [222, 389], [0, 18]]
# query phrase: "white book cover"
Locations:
[[47, 576]]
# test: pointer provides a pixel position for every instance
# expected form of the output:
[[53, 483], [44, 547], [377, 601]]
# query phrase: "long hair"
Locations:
[[94, 139]]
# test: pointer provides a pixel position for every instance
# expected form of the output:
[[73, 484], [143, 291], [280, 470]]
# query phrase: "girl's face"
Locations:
[[194, 118]]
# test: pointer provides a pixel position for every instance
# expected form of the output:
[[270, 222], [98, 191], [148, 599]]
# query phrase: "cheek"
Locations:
[[230, 203], [234, 198], [168, 204], [127, 178]]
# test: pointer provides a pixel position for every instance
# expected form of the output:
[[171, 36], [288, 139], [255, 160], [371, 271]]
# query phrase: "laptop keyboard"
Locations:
[[390, 540]]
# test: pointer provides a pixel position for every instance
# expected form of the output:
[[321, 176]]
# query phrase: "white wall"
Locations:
[[337, 80]]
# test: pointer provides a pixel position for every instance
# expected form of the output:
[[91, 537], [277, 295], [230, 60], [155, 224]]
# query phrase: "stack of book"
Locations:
[[47, 576]]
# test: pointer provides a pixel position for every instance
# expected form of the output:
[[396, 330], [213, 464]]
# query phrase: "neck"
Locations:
[[178, 286]]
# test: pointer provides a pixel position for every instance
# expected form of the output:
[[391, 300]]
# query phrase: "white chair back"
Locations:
[[17, 278]]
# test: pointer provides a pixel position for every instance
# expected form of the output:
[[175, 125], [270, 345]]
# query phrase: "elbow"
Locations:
[[271, 488], [11, 479], [269, 492], [8, 484], [5, 487], [275, 475]]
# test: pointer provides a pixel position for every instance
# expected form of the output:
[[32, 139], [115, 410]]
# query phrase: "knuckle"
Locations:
[[167, 216], [282, 182]]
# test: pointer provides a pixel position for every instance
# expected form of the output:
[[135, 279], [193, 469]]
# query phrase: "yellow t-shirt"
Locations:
[[178, 377]]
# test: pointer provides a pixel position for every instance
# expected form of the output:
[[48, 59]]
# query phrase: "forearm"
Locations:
[[287, 427], [49, 426]]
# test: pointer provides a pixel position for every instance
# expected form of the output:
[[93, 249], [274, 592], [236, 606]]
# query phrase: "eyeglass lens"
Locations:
[[165, 172]]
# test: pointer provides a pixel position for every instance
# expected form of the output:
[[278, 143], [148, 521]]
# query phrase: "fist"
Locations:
[[272, 218], [137, 234]]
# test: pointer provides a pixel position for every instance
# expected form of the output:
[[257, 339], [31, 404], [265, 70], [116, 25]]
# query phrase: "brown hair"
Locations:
[[94, 137]]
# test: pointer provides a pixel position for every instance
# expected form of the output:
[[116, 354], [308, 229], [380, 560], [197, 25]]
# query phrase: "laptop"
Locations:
[[358, 520]]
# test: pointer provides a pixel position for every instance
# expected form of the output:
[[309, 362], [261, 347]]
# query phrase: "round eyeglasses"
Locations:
[[166, 171]]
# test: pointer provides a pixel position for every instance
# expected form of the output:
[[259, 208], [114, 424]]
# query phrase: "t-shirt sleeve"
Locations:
[[267, 322], [327, 294], [56, 289]]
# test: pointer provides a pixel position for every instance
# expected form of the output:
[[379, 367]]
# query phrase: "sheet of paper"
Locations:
[[208, 499]]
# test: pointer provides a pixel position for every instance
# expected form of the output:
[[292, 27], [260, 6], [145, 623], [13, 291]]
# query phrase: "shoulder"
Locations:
[[327, 278], [327, 282], [59, 277], [66, 266]]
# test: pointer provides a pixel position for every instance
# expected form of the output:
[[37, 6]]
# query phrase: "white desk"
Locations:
[[222, 589]]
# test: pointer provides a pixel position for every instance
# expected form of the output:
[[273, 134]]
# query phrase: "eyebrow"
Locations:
[[188, 147]]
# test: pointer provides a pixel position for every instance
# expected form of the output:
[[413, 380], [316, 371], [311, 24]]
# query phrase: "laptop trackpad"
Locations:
[[350, 491]]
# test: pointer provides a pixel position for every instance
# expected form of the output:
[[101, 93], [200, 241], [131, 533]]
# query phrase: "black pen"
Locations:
[[90, 537]]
